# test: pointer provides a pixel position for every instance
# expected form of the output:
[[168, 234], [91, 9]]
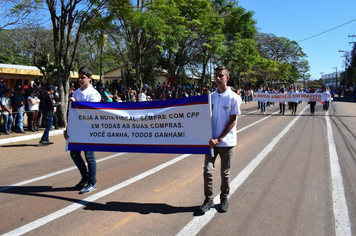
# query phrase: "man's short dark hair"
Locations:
[[49, 87], [226, 71], [85, 70]]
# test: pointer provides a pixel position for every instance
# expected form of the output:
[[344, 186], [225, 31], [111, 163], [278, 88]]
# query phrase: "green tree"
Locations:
[[137, 32], [17, 12], [282, 50], [190, 36], [351, 70], [37, 43], [240, 30], [69, 20], [10, 48]]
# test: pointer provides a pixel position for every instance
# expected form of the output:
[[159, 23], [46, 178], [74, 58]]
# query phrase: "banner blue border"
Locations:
[[203, 99], [179, 149]]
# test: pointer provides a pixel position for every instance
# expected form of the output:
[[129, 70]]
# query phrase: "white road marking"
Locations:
[[341, 216], [55, 215], [197, 223], [44, 220], [248, 126], [54, 174]]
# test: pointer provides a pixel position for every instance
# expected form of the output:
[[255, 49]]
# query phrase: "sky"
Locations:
[[300, 19]]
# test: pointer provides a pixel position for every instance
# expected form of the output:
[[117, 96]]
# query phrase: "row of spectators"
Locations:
[[118, 92], [23, 99]]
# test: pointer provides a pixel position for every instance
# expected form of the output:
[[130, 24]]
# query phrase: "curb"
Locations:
[[29, 137]]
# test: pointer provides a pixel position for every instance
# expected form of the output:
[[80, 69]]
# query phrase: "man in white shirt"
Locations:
[[86, 93], [326, 99], [225, 109]]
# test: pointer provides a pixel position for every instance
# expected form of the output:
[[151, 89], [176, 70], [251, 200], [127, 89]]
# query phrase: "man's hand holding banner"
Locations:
[[168, 126]]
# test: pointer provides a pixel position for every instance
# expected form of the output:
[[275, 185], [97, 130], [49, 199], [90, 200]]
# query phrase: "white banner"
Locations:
[[288, 97], [167, 126]]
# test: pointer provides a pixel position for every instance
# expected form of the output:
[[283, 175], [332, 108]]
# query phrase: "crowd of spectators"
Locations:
[[24, 98], [119, 92]]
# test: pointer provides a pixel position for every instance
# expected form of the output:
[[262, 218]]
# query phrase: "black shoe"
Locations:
[[224, 205], [32, 130], [36, 129], [21, 131], [46, 142], [208, 203], [81, 184]]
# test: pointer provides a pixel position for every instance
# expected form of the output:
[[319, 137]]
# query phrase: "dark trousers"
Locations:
[[282, 108], [87, 174], [312, 107]]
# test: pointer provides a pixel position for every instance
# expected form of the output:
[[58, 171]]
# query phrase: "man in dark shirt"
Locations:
[[48, 112], [2, 86], [20, 108]]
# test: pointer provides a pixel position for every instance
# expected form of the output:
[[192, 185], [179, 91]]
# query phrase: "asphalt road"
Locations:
[[290, 175]]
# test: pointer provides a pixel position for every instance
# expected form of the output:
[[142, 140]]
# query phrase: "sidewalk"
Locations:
[[18, 137]]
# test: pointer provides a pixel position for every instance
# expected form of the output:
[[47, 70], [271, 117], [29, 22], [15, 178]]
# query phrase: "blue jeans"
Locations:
[[48, 124], [326, 105], [8, 120], [19, 120], [87, 174], [263, 106]]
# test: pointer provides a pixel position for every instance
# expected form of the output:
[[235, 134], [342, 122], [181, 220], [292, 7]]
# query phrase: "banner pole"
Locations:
[[211, 122], [70, 108]]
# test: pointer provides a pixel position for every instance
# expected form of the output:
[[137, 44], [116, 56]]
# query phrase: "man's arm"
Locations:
[[9, 109], [227, 129]]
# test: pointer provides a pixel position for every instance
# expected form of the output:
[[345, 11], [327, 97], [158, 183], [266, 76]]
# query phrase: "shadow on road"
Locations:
[[23, 145], [142, 208]]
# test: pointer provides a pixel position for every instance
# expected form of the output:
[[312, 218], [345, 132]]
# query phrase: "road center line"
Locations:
[[341, 216], [198, 222]]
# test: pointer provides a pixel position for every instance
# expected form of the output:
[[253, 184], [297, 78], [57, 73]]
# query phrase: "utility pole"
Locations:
[[336, 77]]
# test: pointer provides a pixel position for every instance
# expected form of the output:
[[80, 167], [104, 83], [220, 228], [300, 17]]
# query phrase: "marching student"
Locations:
[[263, 103], [225, 109], [294, 104], [86, 93], [312, 103], [326, 98], [282, 103]]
